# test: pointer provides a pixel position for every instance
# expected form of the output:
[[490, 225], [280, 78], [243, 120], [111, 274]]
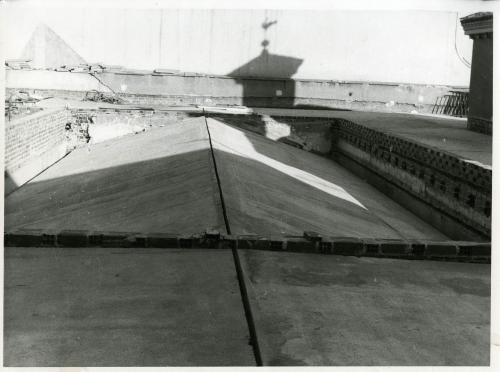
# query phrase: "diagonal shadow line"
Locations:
[[149, 195], [296, 173]]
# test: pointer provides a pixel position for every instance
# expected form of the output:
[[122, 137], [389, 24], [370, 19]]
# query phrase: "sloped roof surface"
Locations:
[[164, 181]]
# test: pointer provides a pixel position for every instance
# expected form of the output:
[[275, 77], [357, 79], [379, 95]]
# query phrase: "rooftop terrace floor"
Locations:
[[123, 307], [152, 307], [333, 310]]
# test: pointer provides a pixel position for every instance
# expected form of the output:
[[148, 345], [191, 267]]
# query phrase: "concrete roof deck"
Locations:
[[123, 307], [163, 180], [276, 189], [347, 311], [129, 307], [167, 307]]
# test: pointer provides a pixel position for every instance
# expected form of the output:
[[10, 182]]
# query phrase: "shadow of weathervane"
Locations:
[[266, 24], [266, 79]]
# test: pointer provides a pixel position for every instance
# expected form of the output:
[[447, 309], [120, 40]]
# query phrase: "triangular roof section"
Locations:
[[46, 49], [269, 65]]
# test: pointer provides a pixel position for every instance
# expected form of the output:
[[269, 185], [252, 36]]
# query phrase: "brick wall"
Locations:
[[457, 188], [32, 143], [480, 125]]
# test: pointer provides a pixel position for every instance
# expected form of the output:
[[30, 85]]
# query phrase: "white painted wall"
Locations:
[[387, 46]]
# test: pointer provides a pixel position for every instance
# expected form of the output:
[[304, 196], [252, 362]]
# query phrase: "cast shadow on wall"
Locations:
[[267, 81]]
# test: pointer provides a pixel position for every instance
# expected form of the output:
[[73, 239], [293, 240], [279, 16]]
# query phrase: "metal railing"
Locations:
[[454, 104]]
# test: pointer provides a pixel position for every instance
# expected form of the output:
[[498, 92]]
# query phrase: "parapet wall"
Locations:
[[155, 89], [271, 92], [33, 143], [417, 176], [52, 80]]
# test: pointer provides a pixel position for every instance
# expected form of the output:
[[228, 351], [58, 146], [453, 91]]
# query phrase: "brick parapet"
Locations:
[[480, 125], [31, 136], [445, 181]]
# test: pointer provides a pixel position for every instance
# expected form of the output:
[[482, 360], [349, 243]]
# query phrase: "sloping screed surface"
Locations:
[[159, 181], [273, 188], [334, 310], [123, 307]]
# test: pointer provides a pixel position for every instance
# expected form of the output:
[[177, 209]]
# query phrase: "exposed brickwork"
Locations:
[[81, 127], [480, 125], [89, 124], [402, 249], [151, 116], [31, 136], [457, 187]]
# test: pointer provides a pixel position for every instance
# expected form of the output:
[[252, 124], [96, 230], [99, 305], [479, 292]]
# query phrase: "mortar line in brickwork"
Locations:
[[237, 263]]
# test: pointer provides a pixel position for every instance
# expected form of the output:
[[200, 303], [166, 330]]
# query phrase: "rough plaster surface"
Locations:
[[333, 310]]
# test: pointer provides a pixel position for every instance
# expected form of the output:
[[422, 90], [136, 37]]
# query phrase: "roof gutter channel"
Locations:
[[239, 271]]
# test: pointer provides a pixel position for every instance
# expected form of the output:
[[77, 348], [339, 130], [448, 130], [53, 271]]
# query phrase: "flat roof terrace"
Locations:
[[444, 133], [175, 307]]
